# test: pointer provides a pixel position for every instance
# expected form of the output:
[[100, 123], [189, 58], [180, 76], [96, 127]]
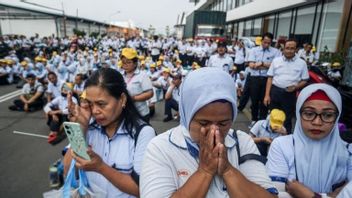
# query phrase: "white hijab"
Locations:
[[202, 87], [323, 163]]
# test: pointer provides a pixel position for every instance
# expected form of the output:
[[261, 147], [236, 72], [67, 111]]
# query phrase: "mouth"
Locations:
[[316, 131]]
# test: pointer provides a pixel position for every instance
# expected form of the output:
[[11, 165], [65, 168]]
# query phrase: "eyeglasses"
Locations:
[[327, 117]]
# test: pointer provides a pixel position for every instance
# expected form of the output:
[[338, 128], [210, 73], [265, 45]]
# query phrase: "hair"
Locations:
[[291, 40], [268, 35], [113, 82], [52, 73]]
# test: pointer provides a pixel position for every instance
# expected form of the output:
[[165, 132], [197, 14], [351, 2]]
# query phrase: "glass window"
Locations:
[[271, 23], [283, 29], [257, 27], [235, 30], [241, 29], [248, 28], [330, 24], [305, 19]]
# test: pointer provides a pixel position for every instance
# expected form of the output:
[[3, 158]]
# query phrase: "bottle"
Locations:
[[53, 177]]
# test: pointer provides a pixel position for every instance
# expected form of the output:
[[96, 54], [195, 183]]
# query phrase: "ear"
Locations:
[[123, 99]]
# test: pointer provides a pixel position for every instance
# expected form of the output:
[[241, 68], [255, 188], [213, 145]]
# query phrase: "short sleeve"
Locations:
[[146, 83], [305, 74], [157, 177], [277, 165], [253, 170], [251, 55], [146, 134], [50, 88], [40, 88], [270, 72], [255, 130]]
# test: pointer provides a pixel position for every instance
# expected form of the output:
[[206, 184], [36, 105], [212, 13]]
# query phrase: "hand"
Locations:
[[208, 154], [267, 100], [291, 88], [258, 64], [267, 140], [223, 162], [77, 113], [298, 190], [26, 107], [55, 118], [95, 164], [280, 130]]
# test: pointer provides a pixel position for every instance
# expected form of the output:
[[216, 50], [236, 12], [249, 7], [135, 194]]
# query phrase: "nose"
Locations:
[[95, 110], [317, 120]]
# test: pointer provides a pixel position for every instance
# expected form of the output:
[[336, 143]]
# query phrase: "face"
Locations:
[[31, 81], [105, 108], [221, 50], [290, 49], [266, 42], [176, 81], [317, 129], [78, 80], [217, 114], [52, 78], [128, 65]]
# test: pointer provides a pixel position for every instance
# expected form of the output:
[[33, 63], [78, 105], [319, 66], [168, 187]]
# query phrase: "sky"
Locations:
[[158, 13]]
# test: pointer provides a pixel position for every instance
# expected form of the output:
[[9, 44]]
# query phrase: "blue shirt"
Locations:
[[259, 54], [118, 152]]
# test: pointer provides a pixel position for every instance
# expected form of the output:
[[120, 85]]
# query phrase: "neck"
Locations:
[[111, 128]]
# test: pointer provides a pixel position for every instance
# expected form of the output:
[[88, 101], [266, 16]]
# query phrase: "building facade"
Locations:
[[324, 23]]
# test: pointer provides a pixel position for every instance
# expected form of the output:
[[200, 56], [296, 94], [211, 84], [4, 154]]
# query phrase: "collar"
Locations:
[[136, 71], [118, 132], [289, 60], [264, 50]]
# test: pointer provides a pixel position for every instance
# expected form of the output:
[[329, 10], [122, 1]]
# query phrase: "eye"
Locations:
[[308, 113], [203, 123], [329, 115]]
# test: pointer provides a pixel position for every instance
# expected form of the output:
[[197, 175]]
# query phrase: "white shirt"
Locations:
[[258, 54], [59, 102], [137, 84], [168, 165], [223, 62], [175, 93], [240, 55], [262, 129], [55, 90], [118, 152], [286, 72]]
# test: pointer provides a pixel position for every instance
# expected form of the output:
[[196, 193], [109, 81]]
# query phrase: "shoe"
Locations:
[[13, 108], [252, 124], [168, 118], [52, 137]]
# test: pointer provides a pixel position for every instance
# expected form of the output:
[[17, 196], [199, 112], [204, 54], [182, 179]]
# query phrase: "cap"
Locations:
[[258, 40], [277, 118], [141, 58], [158, 63], [83, 95], [166, 70], [161, 57], [129, 53], [178, 61], [142, 62], [152, 65]]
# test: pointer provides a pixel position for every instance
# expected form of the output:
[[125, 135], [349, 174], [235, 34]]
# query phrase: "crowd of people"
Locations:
[[110, 86]]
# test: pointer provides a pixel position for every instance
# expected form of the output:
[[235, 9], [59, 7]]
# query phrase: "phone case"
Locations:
[[76, 138]]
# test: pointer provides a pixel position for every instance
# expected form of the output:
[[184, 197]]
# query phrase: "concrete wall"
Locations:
[[28, 27]]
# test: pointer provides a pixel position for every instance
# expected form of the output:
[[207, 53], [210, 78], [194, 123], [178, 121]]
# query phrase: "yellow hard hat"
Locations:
[[158, 63], [178, 61], [67, 86], [141, 58], [83, 95], [142, 62], [166, 70], [129, 53], [161, 57], [336, 64], [37, 59], [24, 63], [258, 40], [152, 65]]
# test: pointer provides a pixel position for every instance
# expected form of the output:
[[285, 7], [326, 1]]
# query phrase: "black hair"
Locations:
[[112, 81], [268, 35], [291, 40], [52, 73]]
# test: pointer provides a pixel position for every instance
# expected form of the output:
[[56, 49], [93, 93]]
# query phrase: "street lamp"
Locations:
[[47, 7]]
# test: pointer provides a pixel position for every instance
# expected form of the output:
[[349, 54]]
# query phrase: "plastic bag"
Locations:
[[72, 189]]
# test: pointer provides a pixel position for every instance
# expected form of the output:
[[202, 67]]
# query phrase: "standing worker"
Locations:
[[260, 59]]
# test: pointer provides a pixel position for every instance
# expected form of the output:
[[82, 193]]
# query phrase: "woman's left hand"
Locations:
[[296, 189], [223, 162], [94, 164]]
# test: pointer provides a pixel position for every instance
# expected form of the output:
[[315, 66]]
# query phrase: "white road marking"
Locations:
[[10, 95], [30, 134]]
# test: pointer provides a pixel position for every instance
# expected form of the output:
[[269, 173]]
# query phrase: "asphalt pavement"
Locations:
[[25, 159]]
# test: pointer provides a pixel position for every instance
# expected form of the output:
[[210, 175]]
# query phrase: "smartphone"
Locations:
[[76, 138]]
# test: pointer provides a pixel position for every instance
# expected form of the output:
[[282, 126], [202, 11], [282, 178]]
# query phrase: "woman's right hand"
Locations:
[[208, 154], [77, 113]]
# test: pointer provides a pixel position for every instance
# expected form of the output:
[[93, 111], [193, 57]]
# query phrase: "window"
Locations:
[[248, 28], [305, 19], [240, 29], [235, 30], [283, 29], [257, 27], [271, 23], [330, 24]]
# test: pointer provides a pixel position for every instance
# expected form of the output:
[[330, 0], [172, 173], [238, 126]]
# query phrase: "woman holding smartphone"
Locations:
[[111, 124]]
